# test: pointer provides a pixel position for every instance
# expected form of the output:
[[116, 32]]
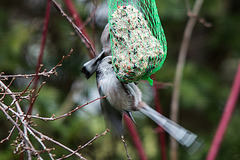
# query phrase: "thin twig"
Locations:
[[57, 143], [53, 70], [85, 145], [34, 90], [9, 135], [25, 90], [66, 114], [25, 137], [63, 59], [125, 145], [7, 88], [94, 138], [15, 93], [179, 71], [200, 20], [32, 131], [18, 113], [28, 146], [13, 97], [43, 73], [78, 31], [35, 97], [19, 110]]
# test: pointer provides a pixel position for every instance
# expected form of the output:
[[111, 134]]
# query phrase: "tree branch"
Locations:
[[77, 30], [179, 71]]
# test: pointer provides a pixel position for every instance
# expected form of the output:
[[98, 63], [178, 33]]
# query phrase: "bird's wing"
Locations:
[[129, 114], [113, 117]]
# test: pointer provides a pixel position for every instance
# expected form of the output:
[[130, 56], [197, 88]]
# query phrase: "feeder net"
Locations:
[[138, 43]]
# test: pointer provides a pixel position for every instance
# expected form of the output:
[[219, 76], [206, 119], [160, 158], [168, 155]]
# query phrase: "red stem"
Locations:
[[135, 137], [227, 113], [160, 129], [40, 57]]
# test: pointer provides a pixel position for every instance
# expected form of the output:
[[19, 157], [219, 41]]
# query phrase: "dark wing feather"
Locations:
[[113, 117]]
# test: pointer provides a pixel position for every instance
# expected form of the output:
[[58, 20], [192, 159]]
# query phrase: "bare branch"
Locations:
[[200, 20], [179, 71], [2, 85], [35, 97], [56, 142], [43, 73], [7, 88], [87, 144], [78, 31], [66, 114], [22, 134], [125, 145], [9, 135], [191, 14], [61, 61]]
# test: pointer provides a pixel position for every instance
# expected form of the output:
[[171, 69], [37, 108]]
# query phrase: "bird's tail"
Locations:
[[183, 136]]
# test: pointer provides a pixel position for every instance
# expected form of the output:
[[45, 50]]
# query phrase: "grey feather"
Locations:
[[183, 136], [113, 118], [129, 114], [105, 40]]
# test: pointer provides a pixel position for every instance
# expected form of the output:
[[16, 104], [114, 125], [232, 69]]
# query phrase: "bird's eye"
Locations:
[[109, 62]]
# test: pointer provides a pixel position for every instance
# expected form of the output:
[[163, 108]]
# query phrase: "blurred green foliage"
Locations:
[[211, 64]]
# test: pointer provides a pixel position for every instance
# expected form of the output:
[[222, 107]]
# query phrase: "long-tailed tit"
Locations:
[[125, 98]]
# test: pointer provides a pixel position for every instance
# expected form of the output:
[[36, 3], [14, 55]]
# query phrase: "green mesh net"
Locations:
[[138, 42]]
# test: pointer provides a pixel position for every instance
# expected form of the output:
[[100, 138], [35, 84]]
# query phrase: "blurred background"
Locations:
[[210, 68]]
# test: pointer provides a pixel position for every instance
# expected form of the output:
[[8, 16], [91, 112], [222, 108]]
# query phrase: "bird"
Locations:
[[124, 98]]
